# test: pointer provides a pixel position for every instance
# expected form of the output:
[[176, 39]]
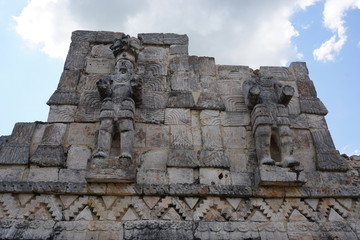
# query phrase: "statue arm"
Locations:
[[287, 93], [251, 93]]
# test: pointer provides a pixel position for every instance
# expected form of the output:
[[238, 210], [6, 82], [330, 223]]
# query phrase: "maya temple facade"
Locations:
[[144, 141]]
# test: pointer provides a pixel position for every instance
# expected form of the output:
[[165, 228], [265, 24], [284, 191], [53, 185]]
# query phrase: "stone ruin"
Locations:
[[144, 141]]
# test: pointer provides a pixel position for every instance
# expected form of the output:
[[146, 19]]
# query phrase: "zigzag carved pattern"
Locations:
[[117, 208]]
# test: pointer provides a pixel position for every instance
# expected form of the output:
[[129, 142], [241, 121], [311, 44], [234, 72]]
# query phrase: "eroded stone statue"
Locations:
[[118, 106], [267, 99]]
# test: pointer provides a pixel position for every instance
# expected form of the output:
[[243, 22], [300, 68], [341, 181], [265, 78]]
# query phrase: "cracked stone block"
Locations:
[[279, 176]]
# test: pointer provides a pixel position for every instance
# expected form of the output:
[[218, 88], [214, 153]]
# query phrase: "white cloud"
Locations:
[[234, 32], [333, 18]]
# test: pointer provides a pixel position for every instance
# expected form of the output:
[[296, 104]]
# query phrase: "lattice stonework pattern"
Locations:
[[208, 216]]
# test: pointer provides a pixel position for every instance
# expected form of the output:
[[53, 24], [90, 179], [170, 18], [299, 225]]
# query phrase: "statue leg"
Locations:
[[286, 148], [104, 138], [126, 127], [262, 140]]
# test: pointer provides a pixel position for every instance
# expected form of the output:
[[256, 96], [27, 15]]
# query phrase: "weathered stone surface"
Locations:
[[77, 157], [100, 65], [312, 106], [62, 113], [208, 100], [159, 230], [207, 66], [81, 134], [54, 134], [180, 99], [211, 176], [213, 158], [182, 157], [22, 133], [49, 156], [83, 229], [14, 153], [156, 116], [48, 174], [153, 53], [180, 175], [234, 137], [72, 175], [155, 100], [177, 116], [69, 80], [277, 176], [300, 70], [163, 38], [23, 229], [178, 49], [154, 159], [11, 174], [233, 119], [233, 72], [157, 136], [151, 176], [279, 73], [327, 158], [64, 97], [102, 51]]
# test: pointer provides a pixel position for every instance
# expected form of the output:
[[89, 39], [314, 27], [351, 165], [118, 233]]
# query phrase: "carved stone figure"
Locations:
[[118, 106], [268, 98]]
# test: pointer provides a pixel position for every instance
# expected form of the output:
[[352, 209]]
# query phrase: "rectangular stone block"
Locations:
[[81, 134], [150, 115], [69, 80], [14, 153], [163, 38], [241, 178], [210, 117], [102, 51], [180, 136], [22, 133], [179, 49], [64, 97], [140, 135], [211, 136], [100, 65], [151, 176], [11, 174], [234, 137], [37, 137], [154, 159], [150, 53], [177, 116], [233, 119], [278, 176], [180, 175], [312, 106], [238, 160], [75, 61], [233, 72], [157, 136], [49, 156], [62, 113], [77, 157], [54, 134], [154, 99], [230, 87], [72, 175], [279, 73], [210, 176], [48, 174], [207, 66], [179, 81]]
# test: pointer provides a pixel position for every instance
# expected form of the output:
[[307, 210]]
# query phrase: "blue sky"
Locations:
[[35, 36]]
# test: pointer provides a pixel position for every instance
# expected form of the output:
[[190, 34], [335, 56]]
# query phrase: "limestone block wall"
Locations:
[[196, 172]]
